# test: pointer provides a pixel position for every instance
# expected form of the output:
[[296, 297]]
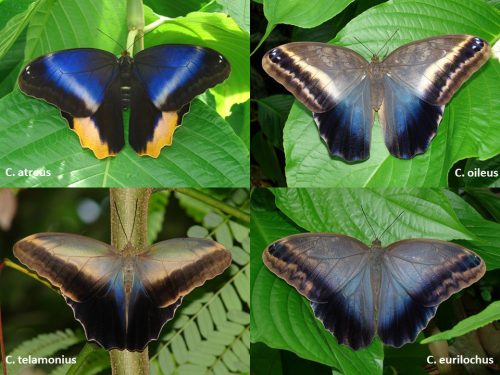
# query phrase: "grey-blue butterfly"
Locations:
[[359, 291], [409, 89]]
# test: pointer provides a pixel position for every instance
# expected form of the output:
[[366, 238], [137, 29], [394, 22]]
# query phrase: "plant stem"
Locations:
[[129, 223], [135, 24], [202, 197]]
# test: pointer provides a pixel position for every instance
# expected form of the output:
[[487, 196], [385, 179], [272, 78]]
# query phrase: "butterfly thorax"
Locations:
[[125, 63]]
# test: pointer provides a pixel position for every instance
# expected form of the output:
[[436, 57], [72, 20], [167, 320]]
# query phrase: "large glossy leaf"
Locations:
[[239, 10], [298, 13], [469, 124], [272, 116], [176, 8], [280, 317], [486, 233], [488, 315], [217, 31], [14, 27], [425, 213], [206, 152]]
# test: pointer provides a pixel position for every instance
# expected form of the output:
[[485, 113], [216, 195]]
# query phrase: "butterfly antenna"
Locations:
[[385, 230], [118, 44], [387, 41], [360, 42], [121, 224], [135, 215], [366, 217]]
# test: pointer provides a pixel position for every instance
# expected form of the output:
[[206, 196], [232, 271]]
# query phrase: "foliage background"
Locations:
[[211, 149], [288, 339], [286, 147], [210, 331]]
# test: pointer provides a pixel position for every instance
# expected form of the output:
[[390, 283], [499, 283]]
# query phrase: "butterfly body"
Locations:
[[358, 291], [123, 299], [408, 89], [92, 87]]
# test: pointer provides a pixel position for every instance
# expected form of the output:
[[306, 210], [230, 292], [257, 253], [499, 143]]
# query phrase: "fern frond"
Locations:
[[43, 346]]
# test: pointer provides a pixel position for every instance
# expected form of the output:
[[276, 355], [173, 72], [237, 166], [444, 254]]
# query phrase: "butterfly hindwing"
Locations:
[[332, 272], [347, 127], [408, 122], [165, 79], [84, 84]]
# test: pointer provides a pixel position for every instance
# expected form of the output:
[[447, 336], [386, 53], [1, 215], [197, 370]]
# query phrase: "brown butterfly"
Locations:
[[409, 89]]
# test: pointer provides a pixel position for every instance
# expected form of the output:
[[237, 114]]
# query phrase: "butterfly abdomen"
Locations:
[[125, 80]]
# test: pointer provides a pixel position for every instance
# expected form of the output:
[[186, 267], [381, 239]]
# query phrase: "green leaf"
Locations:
[[240, 121], [221, 33], [280, 317], [293, 12], [175, 8], [426, 213], [239, 10], [33, 136], [296, 12], [273, 111], [15, 26], [488, 200], [488, 315], [467, 129], [263, 152], [487, 233]]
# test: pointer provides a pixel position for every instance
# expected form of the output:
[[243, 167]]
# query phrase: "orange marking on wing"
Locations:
[[163, 135], [89, 137]]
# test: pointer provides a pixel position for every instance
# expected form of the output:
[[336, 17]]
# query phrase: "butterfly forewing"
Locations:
[[332, 272], [435, 68], [78, 265], [173, 268], [318, 74]]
